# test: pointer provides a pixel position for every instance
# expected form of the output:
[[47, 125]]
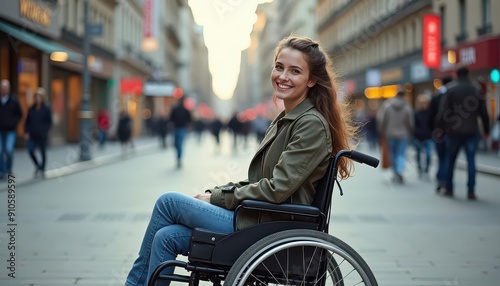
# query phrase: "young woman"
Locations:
[[290, 160]]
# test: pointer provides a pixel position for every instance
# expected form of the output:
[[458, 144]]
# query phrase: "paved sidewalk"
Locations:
[[65, 159]]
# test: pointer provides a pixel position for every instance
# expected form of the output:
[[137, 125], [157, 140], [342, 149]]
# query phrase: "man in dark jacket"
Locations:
[[36, 129], [10, 115], [181, 118], [438, 135], [462, 105]]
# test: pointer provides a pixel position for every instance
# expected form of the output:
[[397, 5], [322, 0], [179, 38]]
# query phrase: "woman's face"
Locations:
[[290, 77], [38, 98]]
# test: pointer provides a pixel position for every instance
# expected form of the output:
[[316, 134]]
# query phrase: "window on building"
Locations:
[[462, 15], [486, 13]]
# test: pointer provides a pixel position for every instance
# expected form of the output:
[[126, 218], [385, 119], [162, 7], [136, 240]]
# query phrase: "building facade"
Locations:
[[41, 44]]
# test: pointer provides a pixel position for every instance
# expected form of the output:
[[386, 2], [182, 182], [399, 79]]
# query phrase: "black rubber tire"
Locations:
[[259, 264]]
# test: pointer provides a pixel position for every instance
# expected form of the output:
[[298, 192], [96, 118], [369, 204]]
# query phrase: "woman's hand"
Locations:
[[203, 197]]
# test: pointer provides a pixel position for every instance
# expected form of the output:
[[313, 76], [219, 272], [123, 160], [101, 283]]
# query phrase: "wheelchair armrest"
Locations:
[[293, 209]]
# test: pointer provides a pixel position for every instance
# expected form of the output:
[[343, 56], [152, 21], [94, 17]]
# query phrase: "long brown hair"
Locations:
[[324, 96]]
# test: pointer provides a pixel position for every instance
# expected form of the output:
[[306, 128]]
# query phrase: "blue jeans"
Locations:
[[397, 148], [453, 145], [40, 143], [442, 171], [179, 135], [426, 147], [7, 143], [169, 231]]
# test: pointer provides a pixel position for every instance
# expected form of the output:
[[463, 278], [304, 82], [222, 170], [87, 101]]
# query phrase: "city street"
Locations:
[[84, 228]]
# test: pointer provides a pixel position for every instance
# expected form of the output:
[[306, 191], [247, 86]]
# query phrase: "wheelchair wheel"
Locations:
[[300, 257]]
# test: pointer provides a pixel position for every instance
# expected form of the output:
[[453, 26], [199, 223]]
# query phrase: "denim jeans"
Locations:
[[453, 146], [179, 135], [442, 171], [397, 148], [7, 143], [42, 145], [426, 147], [169, 231]]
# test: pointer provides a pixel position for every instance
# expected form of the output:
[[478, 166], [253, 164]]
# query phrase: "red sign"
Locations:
[[148, 19], [431, 41], [131, 85]]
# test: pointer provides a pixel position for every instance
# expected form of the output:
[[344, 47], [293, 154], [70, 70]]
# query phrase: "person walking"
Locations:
[[124, 130], [438, 135], [289, 162], [422, 136], [36, 130], [462, 107], [10, 115], [103, 124], [181, 119], [395, 121], [162, 129]]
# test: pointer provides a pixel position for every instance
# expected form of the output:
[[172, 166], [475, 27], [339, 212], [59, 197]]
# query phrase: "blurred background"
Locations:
[[145, 54]]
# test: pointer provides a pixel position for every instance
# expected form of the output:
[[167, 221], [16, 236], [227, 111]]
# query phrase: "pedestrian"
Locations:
[[124, 130], [103, 124], [236, 127], [215, 128], [422, 136], [181, 118], [438, 135], [462, 107], [395, 122], [10, 115], [162, 129], [36, 130], [291, 159]]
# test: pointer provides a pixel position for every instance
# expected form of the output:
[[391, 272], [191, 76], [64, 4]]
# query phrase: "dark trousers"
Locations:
[[441, 174], [41, 144], [453, 146]]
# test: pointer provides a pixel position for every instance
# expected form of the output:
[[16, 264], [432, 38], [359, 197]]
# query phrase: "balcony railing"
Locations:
[[461, 37], [486, 29]]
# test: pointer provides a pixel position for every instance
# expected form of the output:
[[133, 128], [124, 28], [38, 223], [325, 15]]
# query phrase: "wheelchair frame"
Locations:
[[213, 255]]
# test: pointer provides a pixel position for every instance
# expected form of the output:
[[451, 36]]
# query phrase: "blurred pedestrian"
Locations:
[[395, 122], [236, 127], [181, 118], [124, 130], [371, 129], [438, 135], [290, 161], [259, 127], [215, 128], [10, 115], [162, 129], [422, 136], [36, 130], [462, 107], [103, 124]]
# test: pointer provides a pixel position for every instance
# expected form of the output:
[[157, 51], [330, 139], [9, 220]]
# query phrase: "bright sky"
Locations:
[[227, 25]]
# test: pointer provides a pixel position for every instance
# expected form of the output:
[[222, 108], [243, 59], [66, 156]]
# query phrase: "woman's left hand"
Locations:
[[203, 197]]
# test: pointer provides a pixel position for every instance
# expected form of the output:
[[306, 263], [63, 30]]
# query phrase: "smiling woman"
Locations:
[[226, 28]]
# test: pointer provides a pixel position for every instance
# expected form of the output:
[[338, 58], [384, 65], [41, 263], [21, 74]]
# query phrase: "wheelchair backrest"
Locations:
[[324, 190]]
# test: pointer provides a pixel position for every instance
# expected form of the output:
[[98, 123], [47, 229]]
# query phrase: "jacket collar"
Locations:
[[302, 107]]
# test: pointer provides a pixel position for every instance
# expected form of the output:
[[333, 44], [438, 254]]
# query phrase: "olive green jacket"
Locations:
[[290, 160]]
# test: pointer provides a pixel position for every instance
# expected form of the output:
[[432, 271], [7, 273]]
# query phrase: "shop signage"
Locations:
[[431, 41], [132, 85], [392, 75], [482, 54], [35, 13], [159, 88]]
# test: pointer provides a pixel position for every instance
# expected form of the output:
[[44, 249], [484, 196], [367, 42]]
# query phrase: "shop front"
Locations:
[[480, 57], [28, 47]]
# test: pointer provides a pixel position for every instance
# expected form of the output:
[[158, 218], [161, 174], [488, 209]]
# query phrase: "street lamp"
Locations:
[[85, 110]]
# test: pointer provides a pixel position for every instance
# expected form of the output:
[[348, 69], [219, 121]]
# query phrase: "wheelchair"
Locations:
[[295, 251]]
